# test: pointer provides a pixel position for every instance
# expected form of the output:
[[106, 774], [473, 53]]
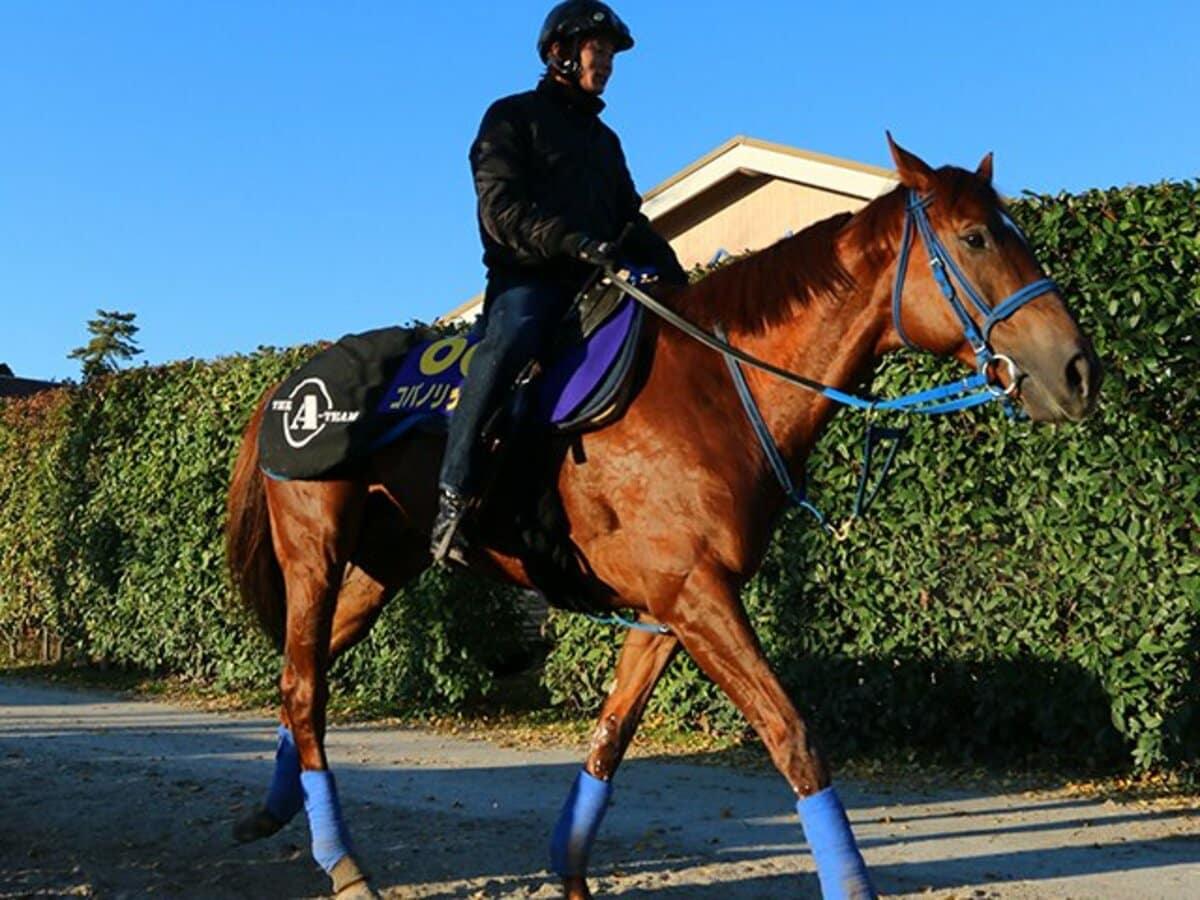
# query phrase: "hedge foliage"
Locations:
[[1017, 590], [112, 503]]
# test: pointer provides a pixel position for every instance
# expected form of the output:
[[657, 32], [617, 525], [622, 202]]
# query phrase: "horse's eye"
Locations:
[[975, 240]]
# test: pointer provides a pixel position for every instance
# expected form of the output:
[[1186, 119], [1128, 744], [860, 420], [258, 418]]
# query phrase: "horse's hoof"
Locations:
[[256, 826], [350, 882], [360, 890], [576, 888]]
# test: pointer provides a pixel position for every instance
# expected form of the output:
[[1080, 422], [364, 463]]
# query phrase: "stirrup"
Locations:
[[446, 539], [452, 548]]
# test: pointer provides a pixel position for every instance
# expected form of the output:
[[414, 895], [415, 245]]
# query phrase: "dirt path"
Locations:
[[106, 797]]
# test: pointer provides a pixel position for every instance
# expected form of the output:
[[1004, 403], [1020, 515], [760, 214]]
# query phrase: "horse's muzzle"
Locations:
[[1060, 386]]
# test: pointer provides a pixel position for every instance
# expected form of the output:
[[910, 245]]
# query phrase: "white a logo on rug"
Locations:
[[307, 410]]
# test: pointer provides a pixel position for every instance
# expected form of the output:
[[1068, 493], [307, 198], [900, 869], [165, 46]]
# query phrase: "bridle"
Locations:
[[965, 393], [945, 273], [974, 390]]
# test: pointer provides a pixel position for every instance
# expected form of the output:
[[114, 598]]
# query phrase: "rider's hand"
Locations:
[[598, 253]]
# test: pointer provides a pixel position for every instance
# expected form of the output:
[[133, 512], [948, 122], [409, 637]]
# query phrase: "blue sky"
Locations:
[[248, 173]]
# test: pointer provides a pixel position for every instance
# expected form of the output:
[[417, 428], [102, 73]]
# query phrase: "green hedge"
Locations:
[[1018, 591], [111, 515], [33, 517]]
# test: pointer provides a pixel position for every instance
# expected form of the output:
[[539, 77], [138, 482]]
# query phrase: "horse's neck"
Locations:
[[829, 340]]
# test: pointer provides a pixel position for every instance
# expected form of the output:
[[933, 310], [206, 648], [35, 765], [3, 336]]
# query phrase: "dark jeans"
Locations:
[[520, 317]]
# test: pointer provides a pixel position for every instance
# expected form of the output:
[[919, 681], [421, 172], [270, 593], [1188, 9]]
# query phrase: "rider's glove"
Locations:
[[598, 253], [674, 274]]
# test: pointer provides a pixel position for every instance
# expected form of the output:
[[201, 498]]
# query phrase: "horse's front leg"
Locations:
[[644, 657], [712, 626]]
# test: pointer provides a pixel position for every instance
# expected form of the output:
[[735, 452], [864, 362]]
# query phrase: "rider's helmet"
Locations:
[[571, 21]]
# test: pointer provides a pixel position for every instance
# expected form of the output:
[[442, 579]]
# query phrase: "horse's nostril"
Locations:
[[1079, 375]]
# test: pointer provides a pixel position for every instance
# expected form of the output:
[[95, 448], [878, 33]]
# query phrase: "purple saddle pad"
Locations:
[[426, 386]]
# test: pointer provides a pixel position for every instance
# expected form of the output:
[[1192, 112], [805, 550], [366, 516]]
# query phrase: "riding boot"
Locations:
[[446, 540]]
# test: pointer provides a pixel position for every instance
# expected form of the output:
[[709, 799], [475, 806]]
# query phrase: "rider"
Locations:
[[554, 195]]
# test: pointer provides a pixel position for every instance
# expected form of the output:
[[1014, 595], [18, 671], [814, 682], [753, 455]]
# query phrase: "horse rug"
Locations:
[[368, 390]]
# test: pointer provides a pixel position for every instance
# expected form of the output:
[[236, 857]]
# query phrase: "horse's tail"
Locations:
[[248, 549]]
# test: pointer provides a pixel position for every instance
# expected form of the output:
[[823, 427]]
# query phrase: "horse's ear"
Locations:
[[914, 172], [985, 168]]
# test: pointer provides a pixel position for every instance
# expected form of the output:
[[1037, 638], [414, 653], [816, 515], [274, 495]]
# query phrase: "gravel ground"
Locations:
[[101, 796]]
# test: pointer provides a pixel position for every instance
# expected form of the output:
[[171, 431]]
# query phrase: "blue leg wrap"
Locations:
[[330, 838], [284, 798], [840, 866], [578, 824]]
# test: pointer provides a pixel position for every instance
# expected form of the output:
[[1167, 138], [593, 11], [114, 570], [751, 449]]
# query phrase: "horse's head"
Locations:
[[971, 288]]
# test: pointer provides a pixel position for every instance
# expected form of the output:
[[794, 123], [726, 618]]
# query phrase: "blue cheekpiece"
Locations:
[[840, 866], [578, 824], [330, 839], [284, 798]]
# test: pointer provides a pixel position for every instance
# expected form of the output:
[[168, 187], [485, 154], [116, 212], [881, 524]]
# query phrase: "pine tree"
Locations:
[[112, 341]]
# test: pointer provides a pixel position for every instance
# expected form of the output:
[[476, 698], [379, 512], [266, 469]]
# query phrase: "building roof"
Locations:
[[12, 386], [745, 155], [741, 156], [463, 310]]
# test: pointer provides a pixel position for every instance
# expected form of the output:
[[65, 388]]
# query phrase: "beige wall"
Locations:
[[747, 212]]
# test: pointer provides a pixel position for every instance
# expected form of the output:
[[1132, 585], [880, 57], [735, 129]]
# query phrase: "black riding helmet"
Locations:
[[573, 20]]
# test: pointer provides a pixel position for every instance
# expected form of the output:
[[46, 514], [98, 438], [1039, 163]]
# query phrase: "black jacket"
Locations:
[[549, 174]]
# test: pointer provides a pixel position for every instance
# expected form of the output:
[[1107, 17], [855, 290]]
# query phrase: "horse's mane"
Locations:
[[759, 290]]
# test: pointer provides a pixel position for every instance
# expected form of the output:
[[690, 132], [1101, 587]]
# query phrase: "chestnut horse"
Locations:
[[672, 506]]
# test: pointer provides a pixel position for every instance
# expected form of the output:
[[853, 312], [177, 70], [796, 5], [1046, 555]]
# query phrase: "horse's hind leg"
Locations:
[[644, 658], [359, 603], [712, 625], [386, 556]]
